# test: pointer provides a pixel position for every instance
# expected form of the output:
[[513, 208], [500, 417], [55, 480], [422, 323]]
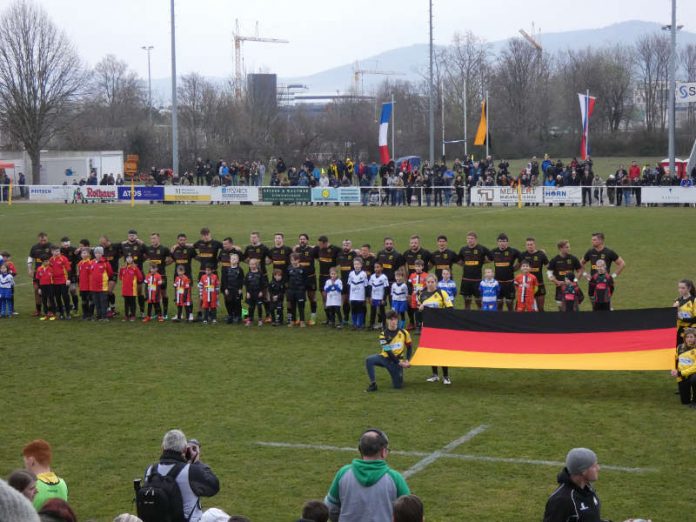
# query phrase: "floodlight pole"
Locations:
[[672, 88], [148, 49], [431, 104], [175, 130]]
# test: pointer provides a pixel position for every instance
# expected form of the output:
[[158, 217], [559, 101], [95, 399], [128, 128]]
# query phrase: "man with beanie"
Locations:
[[14, 506], [575, 499]]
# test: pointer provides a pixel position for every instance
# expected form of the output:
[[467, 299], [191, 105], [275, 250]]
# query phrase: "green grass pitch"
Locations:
[[103, 394]]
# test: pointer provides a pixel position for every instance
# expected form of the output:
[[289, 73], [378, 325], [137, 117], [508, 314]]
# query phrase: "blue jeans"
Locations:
[[395, 371]]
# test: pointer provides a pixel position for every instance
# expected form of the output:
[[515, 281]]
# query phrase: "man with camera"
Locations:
[[173, 486]]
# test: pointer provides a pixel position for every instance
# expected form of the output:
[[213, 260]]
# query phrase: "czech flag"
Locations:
[[384, 155], [586, 107], [619, 340]]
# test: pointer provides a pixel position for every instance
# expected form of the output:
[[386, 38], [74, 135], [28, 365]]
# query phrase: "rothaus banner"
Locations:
[[336, 195], [240, 194], [668, 195], [506, 195], [186, 193], [685, 92], [562, 194]]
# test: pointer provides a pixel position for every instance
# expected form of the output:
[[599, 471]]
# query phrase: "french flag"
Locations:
[[384, 132], [587, 104]]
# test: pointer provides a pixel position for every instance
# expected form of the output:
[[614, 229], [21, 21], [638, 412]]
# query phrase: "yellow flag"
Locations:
[[482, 131]]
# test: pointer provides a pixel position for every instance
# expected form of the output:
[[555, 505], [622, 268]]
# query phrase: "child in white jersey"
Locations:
[[399, 297], [357, 281], [378, 285]]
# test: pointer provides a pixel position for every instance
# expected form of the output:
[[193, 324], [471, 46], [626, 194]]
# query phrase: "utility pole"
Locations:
[[175, 130], [431, 102], [672, 88], [466, 149], [148, 48]]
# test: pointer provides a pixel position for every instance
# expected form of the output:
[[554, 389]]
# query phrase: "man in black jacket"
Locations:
[[575, 500], [194, 478]]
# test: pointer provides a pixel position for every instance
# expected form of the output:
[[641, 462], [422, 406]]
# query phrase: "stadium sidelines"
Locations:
[[446, 452]]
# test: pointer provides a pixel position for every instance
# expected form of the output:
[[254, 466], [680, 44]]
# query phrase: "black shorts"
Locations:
[[114, 277], [507, 290], [163, 286], [559, 294], [311, 283], [322, 281], [346, 288], [296, 296], [469, 288], [541, 290]]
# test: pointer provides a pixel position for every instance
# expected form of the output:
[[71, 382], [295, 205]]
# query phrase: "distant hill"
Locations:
[[412, 61]]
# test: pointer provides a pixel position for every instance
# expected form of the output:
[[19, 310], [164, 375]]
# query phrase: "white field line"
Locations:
[[435, 455], [458, 456]]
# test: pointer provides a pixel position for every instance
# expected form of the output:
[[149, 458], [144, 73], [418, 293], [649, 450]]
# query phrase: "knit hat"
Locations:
[[215, 515], [14, 506], [579, 460]]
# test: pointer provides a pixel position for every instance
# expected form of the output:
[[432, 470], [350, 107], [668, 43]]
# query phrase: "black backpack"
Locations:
[[159, 499]]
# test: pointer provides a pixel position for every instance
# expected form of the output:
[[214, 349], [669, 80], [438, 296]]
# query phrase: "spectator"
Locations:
[[37, 459], [126, 517], [408, 508], [57, 510], [364, 491], [575, 499], [181, 459], [314, 511], [25, 482], [238, 518], [14, 506], [215, 515]]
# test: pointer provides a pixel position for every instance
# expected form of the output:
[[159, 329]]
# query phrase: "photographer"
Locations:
[[180, 460]]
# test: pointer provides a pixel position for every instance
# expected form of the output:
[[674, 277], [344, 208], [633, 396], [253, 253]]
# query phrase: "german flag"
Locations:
[[619, 340]]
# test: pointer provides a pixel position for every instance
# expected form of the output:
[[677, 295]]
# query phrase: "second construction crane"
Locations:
[[238, 39], [358, 74]]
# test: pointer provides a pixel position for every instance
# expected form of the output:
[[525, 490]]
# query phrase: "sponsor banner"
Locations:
[[668, 194], [286, 194], [241, 193], [51, 192], [336, 195], [186, 193], [500, 195], [562, 194], [142, 193], [96, 193], [685, 92]]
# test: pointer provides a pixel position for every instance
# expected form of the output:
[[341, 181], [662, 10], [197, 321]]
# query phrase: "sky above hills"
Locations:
[[322, 34]]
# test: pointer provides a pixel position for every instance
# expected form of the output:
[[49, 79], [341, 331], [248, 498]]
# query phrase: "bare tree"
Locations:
[[40, 77], [118, 90], [688, 63], [652, 59]]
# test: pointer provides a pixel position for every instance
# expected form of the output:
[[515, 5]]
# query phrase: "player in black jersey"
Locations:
[[368, 259], [70, 252], [112, 253], [160, 256], [183, 254], [207, 251], [344, 261], [133, 246], [257, 250], [326, 254], [564, 265], [597, 252], [472, 257], [279, 256], [415, 252], [308, 254], [390, 259], [537, 260], [37, 254], [442, 258], [228, 248], [506, 261]]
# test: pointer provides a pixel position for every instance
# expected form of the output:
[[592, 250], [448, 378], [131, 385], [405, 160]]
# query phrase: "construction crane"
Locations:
[[533, 41], [238, 39], [358, 74]]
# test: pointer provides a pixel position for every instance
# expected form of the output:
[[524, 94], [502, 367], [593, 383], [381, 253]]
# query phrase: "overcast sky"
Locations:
[[322, 33]]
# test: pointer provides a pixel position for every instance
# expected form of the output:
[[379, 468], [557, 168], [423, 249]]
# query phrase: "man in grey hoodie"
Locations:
[[365, 489]]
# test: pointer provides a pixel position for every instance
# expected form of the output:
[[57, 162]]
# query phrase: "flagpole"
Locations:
[[488, 136], [466, 151], [587, 118], [393, 118]]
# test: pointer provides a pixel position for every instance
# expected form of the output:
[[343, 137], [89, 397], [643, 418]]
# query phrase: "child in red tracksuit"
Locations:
[[182, 292], [44, 275], [526, 285], [131, 277], [83, 270], [153, 284], [99, 283], [61, 267], [416, 284], [208, 289]]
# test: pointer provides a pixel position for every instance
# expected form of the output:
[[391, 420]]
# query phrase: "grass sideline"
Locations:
[[103, 394]]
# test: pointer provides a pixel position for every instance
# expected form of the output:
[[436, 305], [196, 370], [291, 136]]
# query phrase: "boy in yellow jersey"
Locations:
[[395, 354], [433, 297]]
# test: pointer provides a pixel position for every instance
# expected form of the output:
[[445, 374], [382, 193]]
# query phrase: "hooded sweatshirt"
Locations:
[[364, 491], [569, 503], [49, 485]]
